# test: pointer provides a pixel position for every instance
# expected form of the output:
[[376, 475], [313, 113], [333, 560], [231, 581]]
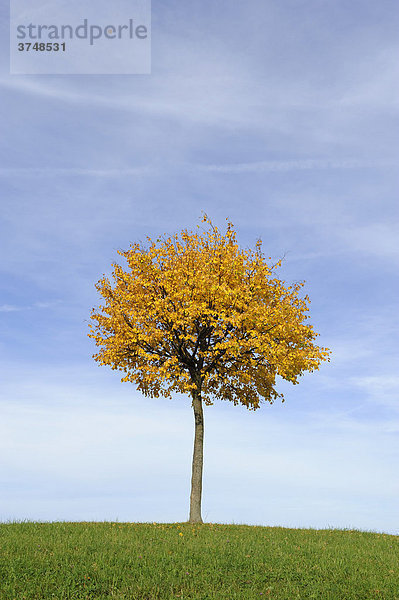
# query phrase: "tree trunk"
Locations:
[[196, 476]]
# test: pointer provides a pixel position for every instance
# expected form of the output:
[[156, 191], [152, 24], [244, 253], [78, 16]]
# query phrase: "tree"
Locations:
[[196, 314]]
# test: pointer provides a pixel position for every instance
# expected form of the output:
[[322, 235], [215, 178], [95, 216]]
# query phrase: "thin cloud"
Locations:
[[10, 308], [253, 167], [16, 308], [48, 171], [383, 389], [379, 239], [292, 165]]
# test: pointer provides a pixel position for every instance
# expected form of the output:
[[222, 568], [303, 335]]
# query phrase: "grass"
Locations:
[[144, 561]]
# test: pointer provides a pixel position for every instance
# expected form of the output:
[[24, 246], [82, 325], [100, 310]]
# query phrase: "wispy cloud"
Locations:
[[292, 165], [380, 239], [49, 171], [10, 308], [36, 305], [383, 389], [251, 167]]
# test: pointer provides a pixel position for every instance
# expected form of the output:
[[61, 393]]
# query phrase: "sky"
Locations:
[[281, 116]]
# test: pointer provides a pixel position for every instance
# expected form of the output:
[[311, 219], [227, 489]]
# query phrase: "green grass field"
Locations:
[[148, 561]]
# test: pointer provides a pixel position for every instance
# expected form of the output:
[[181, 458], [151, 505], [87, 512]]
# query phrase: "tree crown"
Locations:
[[196, 312]]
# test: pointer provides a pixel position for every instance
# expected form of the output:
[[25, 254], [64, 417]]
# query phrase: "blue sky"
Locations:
[[281, 116]]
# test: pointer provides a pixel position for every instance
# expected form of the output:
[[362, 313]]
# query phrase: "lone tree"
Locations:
[[196, 314]]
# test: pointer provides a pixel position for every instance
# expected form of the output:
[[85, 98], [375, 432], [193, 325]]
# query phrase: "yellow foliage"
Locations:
[[196, 312]]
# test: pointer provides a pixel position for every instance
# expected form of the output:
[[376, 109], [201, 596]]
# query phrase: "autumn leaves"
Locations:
[[195, 311]]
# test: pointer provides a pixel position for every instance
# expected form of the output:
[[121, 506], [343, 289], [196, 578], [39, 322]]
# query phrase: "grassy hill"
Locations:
[[149, 561]]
